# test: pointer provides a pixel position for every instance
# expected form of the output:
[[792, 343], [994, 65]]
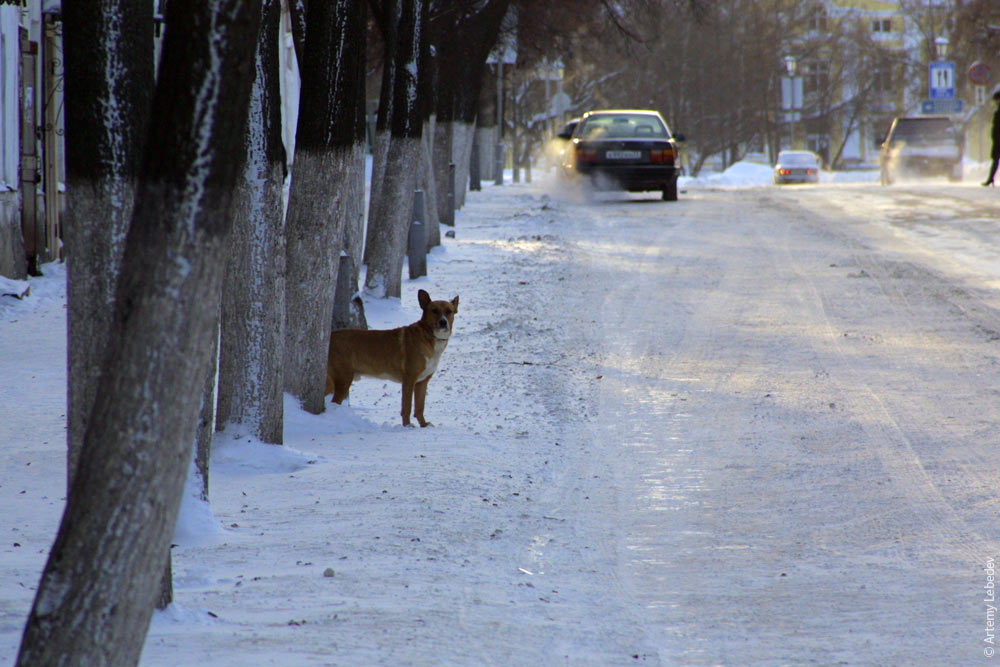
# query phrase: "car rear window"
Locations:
[[923, 128], [799, 159], [622, 126]]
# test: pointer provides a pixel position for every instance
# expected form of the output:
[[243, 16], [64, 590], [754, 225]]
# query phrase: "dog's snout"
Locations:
[[443, 323]]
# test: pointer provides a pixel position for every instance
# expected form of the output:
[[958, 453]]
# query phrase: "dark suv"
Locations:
[[923, 146]]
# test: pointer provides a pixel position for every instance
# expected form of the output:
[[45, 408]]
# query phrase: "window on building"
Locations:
[[815, 76], [882, 25], [817, 19], [883, 79]]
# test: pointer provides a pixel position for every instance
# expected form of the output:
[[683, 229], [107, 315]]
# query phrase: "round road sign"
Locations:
[[979, 73]]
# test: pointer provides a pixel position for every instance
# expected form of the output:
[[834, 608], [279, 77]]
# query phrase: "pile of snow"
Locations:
[[741, 174]]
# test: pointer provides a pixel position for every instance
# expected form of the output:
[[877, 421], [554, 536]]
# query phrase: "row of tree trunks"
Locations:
[[97, 591], [463, 40], [146, 282]]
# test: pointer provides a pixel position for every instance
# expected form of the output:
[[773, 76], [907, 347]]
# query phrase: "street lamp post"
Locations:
[[791, 95], [941, 47]]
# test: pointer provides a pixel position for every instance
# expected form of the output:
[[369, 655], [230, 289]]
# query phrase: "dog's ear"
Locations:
[[454, 302], [423, 298]]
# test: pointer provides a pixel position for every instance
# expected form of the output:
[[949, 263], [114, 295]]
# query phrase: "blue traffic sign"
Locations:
[[942, 80], [941, 107]]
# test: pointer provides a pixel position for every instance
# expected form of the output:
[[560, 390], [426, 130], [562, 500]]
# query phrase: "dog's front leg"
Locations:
[[407, 401], [419, 395]]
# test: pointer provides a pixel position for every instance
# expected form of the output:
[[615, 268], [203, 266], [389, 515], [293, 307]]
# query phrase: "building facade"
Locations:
[[31, 135], [863, 62]]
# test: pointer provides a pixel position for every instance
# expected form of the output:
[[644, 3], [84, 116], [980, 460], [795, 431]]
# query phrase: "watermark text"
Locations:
[[990, 600]]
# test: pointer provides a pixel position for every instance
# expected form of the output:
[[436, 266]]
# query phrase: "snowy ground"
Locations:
[[755, 426]]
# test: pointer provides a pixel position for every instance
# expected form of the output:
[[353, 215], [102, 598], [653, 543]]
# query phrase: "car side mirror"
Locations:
[[565, 135], [679, 137]]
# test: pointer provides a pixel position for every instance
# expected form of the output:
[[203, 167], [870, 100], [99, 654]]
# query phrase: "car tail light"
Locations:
[[785, 172], [662, 155], [586, 154]]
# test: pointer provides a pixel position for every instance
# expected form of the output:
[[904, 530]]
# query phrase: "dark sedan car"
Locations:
[[624, 149]]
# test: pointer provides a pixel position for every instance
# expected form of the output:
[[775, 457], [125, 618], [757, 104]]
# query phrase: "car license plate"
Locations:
[[624, 155]]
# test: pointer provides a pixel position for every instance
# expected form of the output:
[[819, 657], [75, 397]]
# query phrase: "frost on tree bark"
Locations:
[[253, 299], [325, 157], [387, 230], [108, 48], [96, 594]]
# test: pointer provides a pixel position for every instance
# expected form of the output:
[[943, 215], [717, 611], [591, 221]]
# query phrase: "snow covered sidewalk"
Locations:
[[359, 541]]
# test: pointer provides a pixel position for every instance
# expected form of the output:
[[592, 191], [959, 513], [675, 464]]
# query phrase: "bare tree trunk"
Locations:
[[426, 182], [253, 301], [387, 232], [325, 156], [109, 88], [97, 591]]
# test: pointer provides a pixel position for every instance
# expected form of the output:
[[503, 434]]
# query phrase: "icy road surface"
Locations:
[[758, 425]]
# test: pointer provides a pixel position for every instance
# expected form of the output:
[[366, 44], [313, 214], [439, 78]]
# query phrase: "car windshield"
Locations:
[[622, 126], [797, 160]]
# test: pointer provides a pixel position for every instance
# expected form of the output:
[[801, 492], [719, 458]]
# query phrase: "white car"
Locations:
[[796, 167]]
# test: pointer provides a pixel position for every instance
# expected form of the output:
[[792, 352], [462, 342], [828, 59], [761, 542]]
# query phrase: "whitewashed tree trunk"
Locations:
[[109, 88], [441, 155], [380, 149], [387, 235], [328, 133], [96, 594], [463, 134], [428, 184], [486, 137], [253, 305], [354, 227], [314, 237]]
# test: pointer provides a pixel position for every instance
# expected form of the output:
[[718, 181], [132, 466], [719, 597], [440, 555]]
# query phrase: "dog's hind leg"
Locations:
[[419, 396]]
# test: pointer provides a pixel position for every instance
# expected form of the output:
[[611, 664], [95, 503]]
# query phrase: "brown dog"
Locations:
[[408, 355]]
